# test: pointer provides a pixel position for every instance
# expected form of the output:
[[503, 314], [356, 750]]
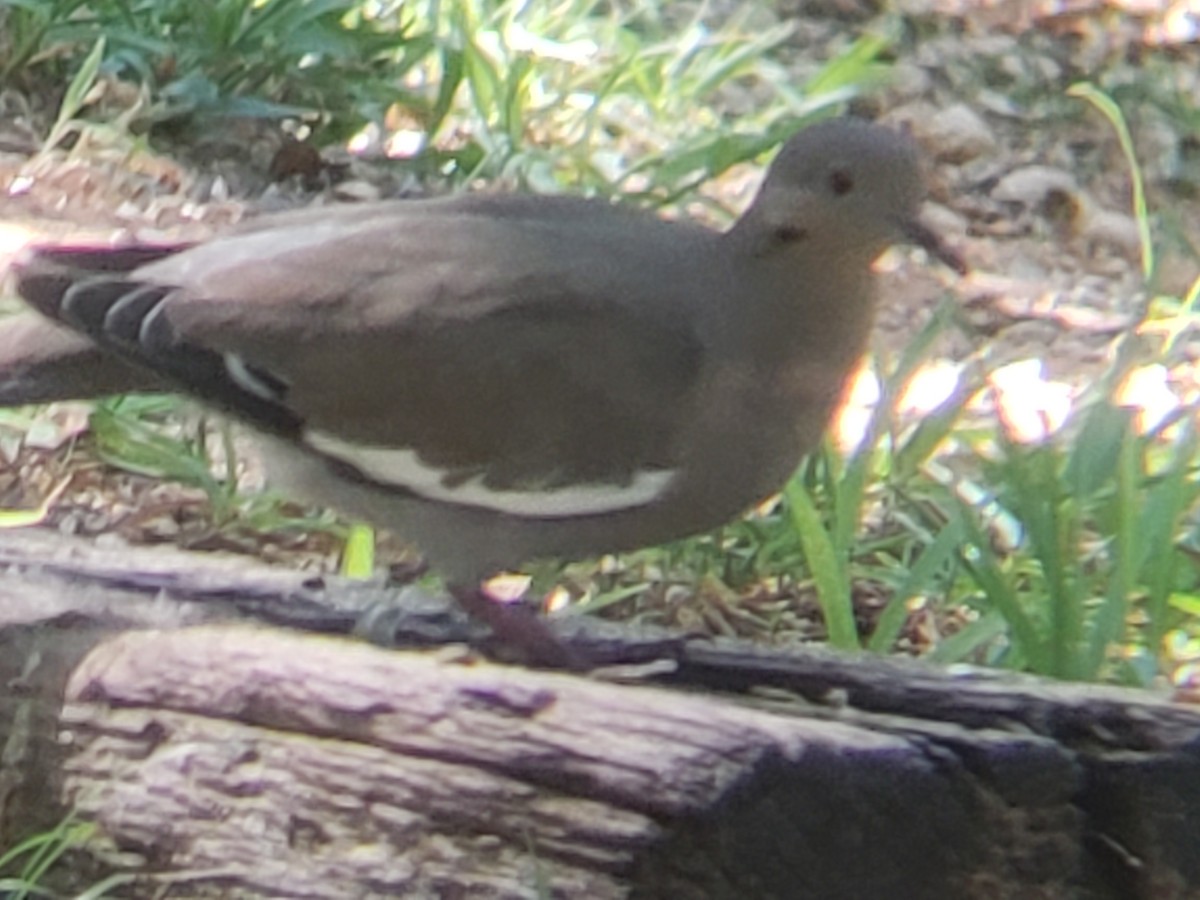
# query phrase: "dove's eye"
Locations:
[[841, 182], [789, 234]]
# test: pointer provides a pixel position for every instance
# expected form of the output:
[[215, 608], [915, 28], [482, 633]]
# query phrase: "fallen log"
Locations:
[[222, 757]]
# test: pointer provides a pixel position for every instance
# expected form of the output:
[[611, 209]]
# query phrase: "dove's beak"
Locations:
[[927, 239]]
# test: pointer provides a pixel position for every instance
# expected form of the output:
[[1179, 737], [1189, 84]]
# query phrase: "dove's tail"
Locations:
[[41, 361], [45, 274]]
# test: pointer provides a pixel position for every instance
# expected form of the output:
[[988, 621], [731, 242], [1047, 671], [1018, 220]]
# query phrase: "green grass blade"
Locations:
[[856, 68], [919, 580], [358, 554], [76, 96], [829, 570], [81, 85], [1184, 319], [26, 846], [980, 561], [931, 432], [968, 641], [129, 444], [101, 888], [1109, 620], [1112, 112], [1095, 458], [1163, 512], [453, 72], [1051, 522]]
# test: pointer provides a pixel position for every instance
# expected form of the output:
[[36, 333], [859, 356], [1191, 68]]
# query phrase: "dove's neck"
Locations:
[[813, 294]]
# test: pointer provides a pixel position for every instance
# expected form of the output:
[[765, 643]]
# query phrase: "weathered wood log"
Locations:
[[225, 758]]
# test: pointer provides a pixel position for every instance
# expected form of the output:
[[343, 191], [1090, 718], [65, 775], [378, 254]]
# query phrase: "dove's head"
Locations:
[[843, 189]]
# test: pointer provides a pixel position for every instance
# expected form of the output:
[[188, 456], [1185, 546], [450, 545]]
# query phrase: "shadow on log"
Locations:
[[220, 757]]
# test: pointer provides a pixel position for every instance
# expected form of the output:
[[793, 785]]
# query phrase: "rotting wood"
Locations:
[[230, 759]]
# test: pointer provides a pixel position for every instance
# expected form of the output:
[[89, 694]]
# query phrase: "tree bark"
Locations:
[[223, 757]]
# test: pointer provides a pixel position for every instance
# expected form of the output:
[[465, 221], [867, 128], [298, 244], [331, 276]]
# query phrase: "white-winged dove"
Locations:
[[503, 377]]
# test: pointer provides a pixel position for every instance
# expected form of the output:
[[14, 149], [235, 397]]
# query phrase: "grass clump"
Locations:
[[25, 868], [1074, 547], [598, 98]]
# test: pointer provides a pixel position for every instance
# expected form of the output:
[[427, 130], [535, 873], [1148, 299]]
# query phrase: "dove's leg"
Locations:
[[414, 617], [519, 628]]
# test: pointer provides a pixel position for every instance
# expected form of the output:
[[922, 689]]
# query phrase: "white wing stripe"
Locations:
[[404, 469], [244, 378]]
